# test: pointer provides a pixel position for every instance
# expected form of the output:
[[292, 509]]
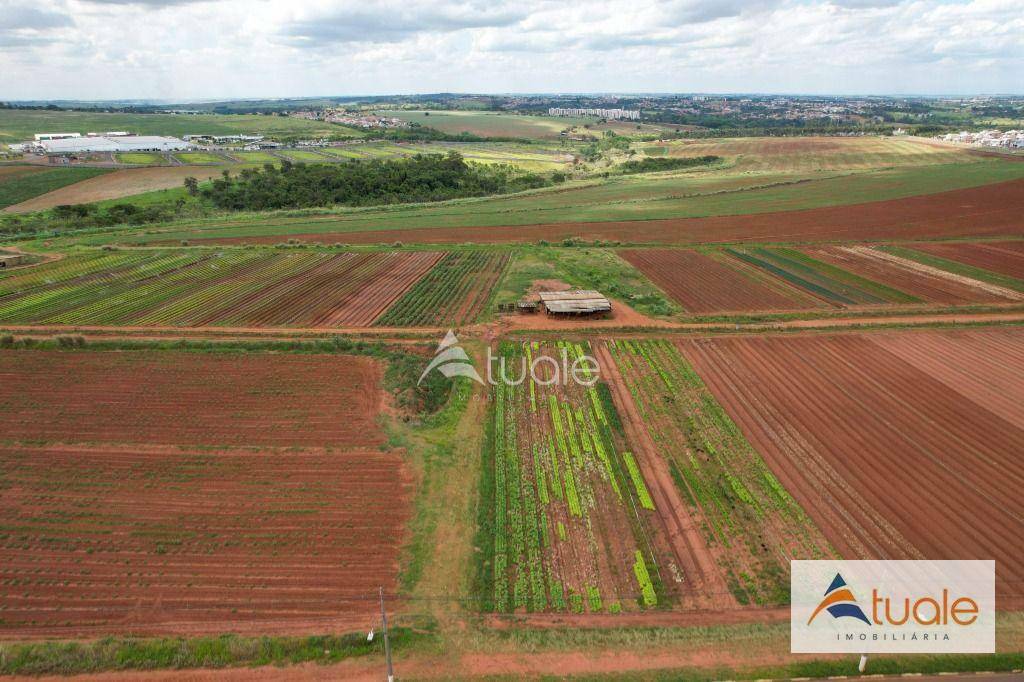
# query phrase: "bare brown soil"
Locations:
[[989, 210], [1003, 257], [190, 399], [910, 277], [121, 183], [702, 284], [898, 458], [195, 494]]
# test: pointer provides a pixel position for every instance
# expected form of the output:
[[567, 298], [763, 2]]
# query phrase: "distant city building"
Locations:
[[1010, 139], [628, 114]]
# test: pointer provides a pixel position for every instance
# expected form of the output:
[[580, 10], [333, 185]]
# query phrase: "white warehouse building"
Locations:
[[118, 143]]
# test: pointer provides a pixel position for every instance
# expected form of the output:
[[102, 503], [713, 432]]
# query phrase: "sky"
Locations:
[[182, 50]]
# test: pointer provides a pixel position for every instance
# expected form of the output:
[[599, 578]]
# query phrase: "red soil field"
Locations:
[[143, 541], [1006, 258], [909, 277], [989, 210], [190, 398], [347, 290], [898, 445], [703, 284], [135, 518]]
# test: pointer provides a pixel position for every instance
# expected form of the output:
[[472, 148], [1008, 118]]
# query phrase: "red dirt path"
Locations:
[[893, 452], [989, 210]]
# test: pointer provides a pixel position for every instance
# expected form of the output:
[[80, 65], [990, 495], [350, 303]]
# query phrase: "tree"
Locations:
[[192, 185]]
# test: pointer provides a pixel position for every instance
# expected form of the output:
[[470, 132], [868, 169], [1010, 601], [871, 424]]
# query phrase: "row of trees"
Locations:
[[431, 177]]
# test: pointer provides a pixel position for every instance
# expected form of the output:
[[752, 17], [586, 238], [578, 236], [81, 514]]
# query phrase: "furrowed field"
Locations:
[[149, 492], [736, 279], [749, 525], [567, 519], [253, 288], [900, 425]]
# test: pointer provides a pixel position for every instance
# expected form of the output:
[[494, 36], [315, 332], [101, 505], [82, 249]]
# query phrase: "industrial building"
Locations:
[[579, 302], [111, 143]]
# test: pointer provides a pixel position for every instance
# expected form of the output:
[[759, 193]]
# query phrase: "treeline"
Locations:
[[70, 217], [427, 177], [654, 164]]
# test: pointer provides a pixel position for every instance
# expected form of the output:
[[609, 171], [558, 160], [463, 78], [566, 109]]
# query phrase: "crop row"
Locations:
[[745, 509], [199, 288], [824, 280], [571, 506], [454, 292]]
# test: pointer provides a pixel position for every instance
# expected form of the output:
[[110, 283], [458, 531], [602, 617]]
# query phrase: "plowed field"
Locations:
[[182, 493], [702, 283], [900, 445], [925, 282], [1006, 258], [195, 288], [189, 399]]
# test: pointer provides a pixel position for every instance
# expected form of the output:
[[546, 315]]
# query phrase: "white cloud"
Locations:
[[181, 49]]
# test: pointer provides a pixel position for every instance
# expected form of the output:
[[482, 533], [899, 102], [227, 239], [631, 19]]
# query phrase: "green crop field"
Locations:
[[19, 125], [743, 510], [490, 124], [454, 292], [681, 195], [199, 157], [18, 187], [304, 156], [566, 519], [142, 158], [823, 280], [255, 157]]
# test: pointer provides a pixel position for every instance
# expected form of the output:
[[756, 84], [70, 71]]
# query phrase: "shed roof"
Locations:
[[590, 305], [572, 295]]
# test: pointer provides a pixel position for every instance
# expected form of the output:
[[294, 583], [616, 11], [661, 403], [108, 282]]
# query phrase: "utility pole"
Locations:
[[387, 642]]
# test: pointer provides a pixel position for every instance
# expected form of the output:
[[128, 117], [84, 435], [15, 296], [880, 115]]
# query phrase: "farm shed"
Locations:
[[578, 302]]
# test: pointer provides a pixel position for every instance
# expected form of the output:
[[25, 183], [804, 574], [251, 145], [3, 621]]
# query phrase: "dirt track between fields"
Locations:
[[989, 210]]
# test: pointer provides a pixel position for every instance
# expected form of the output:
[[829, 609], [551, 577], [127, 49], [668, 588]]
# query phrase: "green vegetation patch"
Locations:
[[585, 268], [199, 157], [421, 178], [823, 280], [124, 653], [454, 292], [17, 188], [742, 507], [141, 158]]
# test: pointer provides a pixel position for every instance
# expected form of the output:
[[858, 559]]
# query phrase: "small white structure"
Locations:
[[55, 136]]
